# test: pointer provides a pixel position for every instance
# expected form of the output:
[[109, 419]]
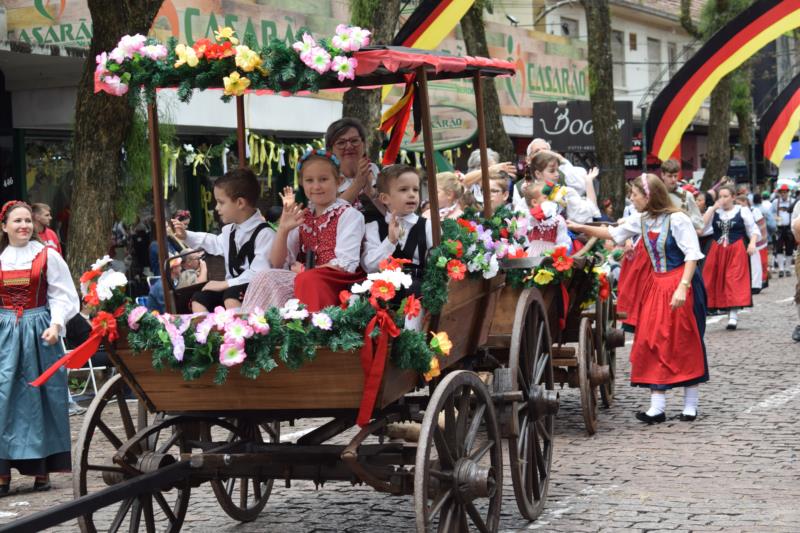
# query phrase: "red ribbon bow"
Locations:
[[538, 213], [374, 362], [103, 325]]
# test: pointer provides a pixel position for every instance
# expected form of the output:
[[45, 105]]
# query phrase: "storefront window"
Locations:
[[49, 171]]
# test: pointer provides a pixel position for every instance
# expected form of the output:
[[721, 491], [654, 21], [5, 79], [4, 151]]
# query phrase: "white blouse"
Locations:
[[376, 250], [580, 210], [680, 226], [62, 298], [749, 223], [349, 235], [219, 245]]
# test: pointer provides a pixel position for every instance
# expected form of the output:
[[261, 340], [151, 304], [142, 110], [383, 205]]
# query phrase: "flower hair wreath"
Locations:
[[318, 153], [645, 185]]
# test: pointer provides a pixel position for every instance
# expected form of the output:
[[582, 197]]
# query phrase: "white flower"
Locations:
[[494, 267], [322, 321], [188, 147], [360, 288], [398, 278], [100, 263], [108, 281], [292, 311]]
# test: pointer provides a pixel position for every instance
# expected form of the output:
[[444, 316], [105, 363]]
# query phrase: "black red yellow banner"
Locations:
[[676, 105], [431, 22], [780, 122]]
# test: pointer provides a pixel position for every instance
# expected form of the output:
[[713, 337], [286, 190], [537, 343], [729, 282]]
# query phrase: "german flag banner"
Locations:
[[780, 122], [676, 105], [431, 22]]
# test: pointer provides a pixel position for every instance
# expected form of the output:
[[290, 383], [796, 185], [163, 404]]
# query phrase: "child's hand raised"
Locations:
[[287, 197], [291, 217], [395, 230], [179, 228], [593, 173]]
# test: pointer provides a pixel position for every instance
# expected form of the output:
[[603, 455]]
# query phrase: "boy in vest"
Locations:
[[402, 233], [245, 240]]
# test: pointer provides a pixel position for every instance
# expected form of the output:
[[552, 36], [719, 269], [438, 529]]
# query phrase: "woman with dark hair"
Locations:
[[669, 352], [347, 139]]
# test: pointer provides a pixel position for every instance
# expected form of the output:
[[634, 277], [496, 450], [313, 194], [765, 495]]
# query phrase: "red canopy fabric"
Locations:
[[396, 58]]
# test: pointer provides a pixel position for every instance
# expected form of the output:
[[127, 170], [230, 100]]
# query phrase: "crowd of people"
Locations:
[[677, 253]]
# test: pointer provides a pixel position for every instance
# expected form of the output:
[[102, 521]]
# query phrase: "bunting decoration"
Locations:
[[395, 120], [431, 22], [780, 122], [676, 105]]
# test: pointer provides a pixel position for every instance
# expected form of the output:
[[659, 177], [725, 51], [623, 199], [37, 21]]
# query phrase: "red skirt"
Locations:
[[319, 288], [726, 274], [670, 349], [634, 276], [764, 254]]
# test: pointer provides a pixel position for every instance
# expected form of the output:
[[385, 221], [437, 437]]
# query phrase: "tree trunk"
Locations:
[[719, 151], [475, 39], [607, 140], [366, 105], [102, 122]]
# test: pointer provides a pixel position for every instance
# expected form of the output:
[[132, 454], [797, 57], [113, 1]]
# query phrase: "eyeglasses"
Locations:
[[342, 143]]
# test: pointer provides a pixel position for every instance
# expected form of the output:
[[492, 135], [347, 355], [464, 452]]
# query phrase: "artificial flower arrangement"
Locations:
[[225, 62], [103, 295]]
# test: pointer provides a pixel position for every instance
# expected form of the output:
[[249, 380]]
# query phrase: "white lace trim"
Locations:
[[331, 214]]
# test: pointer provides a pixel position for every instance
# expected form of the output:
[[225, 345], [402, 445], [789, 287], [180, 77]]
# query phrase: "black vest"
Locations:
[[416, 240], [237, 258]]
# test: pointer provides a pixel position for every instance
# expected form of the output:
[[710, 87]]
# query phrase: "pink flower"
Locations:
[[101, 60], [114, 85], [345, 67], [231, 354], [117, 55], [222, 317], [237, 332], [131, 44], [203, 329], [258, 321], [135, 316], [155, 52], [359, 38], [175, 337], [343, 38], [319, 60], [322, 321], [304, 47]]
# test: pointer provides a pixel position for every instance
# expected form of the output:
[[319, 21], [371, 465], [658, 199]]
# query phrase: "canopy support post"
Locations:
[[240, 131], [158, 203], [485, 186], [430, 162]]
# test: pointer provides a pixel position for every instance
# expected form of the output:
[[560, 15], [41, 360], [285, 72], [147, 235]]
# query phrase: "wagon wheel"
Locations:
[[587, 360], [243, 499], [107, 425], [459, 465], [606, 352], [531, 453]]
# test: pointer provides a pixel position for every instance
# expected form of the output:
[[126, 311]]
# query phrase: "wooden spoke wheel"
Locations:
[[243, 499], [606, 348], [107, 426], [587, 361], [459, 465], [531, 452]]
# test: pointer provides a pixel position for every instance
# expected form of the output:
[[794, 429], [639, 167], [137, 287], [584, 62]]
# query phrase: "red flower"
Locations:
[[537, 213], [382, 290], [504, 233], [218, 51], [91, 297], [456, 269], [413, 307], [391, 263], [107, 324], [468, 224], [518, 253], [200, 46], [561, 261], [605, 288], [455, 248], [344, 298], [90, 275]]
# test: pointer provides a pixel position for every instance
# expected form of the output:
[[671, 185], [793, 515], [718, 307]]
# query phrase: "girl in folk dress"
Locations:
[[37, 298], [727, 269], [670, 351], [548, 229], [319, 247], [756, 270], [450, 193]]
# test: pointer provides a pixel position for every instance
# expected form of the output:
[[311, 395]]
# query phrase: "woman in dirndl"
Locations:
[[727, 268], [671, 299], [37, 298]]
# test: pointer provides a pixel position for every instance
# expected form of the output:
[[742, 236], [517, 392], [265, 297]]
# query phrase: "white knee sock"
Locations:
[[781, 262], [733, 315], [690, 397], [658, 403]]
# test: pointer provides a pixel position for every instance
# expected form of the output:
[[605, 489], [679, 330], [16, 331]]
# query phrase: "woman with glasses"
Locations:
[[346, 138]]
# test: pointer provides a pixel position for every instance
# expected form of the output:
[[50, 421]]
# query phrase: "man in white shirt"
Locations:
[[683, 200]]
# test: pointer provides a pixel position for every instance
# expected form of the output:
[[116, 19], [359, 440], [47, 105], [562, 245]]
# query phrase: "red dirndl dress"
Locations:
[[727, 268], [669, 352], [634, 276]]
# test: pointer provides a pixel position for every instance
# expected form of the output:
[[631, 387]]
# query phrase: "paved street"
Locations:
[[735, 469]]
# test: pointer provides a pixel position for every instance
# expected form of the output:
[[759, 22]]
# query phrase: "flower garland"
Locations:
[[225, 62]]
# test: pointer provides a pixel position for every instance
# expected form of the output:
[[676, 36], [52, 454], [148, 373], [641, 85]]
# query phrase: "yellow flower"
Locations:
[[226, 33], [441, 343], [235, 85], [543, 277], [434, 371], [247, 59], [186, 56]]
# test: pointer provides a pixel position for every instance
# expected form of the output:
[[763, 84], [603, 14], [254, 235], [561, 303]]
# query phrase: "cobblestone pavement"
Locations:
[[734, 469]]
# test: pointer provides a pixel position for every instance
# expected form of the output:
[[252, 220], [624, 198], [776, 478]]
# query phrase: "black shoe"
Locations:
[[780, 274], [41, 485], [4, 489], [731, 325], [796, 334], [687, 418], [644, 417]]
